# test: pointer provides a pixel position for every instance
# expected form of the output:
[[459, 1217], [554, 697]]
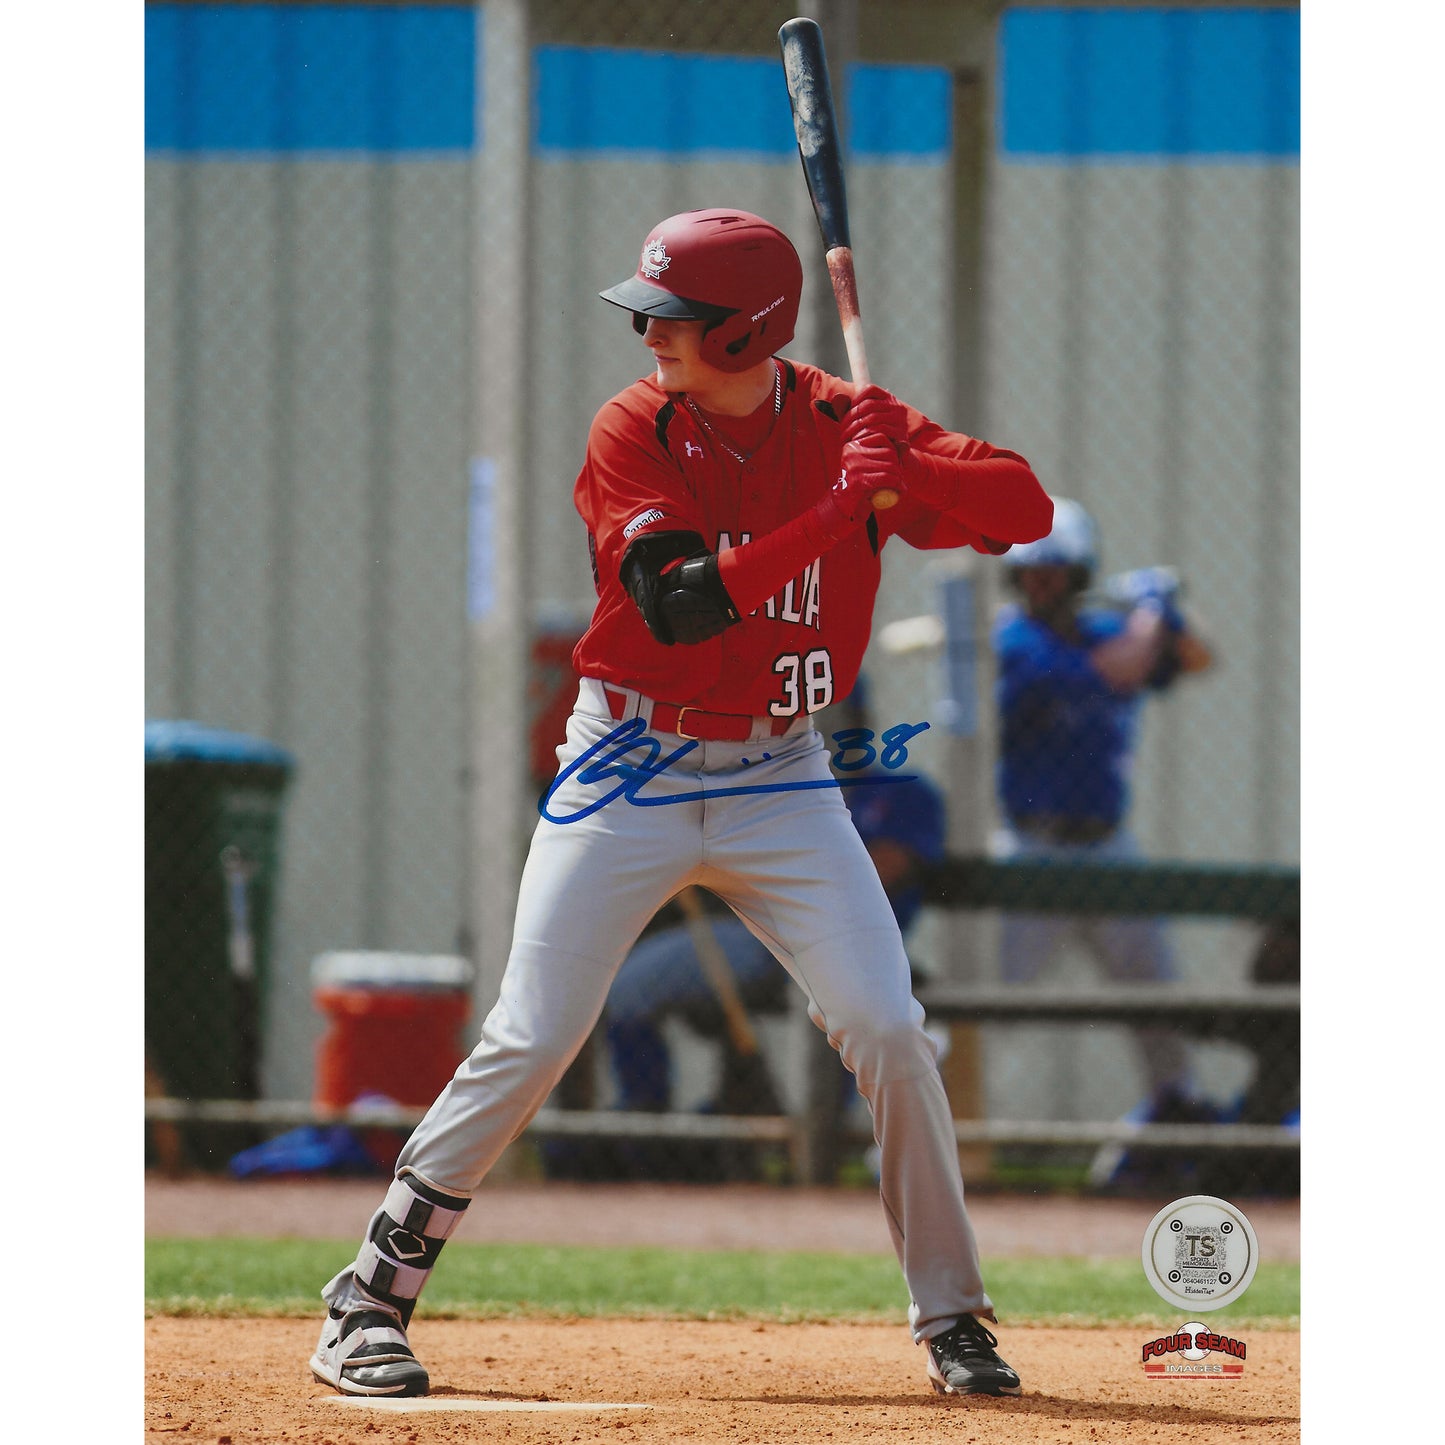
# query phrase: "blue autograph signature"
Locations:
[[604, 761]]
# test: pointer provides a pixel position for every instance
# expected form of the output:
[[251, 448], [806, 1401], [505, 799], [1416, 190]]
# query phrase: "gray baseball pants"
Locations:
[[733, 818]]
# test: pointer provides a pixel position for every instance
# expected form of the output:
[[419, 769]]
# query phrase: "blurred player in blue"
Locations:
[[1073, 675], [902, 824]]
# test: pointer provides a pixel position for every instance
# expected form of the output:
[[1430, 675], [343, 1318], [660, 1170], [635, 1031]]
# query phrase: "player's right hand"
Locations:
[[879, 413]]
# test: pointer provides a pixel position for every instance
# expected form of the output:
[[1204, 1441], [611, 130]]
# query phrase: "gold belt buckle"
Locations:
[[682, 712]]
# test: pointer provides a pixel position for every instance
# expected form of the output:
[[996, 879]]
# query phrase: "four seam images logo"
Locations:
[[1193, 1343]]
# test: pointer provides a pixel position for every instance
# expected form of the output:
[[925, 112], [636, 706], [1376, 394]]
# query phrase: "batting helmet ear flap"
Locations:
[[736, 348], [755, 340], [766, 323]]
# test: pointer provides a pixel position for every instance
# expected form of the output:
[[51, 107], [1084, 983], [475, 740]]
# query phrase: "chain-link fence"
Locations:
[[375, 234]]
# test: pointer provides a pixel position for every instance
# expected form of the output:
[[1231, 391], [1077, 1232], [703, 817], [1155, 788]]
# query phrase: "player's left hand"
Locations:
[[878, 413]]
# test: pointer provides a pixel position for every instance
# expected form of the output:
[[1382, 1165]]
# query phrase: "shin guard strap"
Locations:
[[406, 1237]]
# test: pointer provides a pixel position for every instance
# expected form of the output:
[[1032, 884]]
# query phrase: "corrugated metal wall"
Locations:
[[1141, 348], [308, 380]]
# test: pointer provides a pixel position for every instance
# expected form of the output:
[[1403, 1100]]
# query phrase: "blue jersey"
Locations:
[[907, 813], [1067, 738]]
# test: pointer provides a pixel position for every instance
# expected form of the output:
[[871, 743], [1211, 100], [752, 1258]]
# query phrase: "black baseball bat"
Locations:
[[815, 123]]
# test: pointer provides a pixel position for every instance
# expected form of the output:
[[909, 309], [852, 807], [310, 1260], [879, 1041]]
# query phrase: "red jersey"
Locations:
[[651, 466]]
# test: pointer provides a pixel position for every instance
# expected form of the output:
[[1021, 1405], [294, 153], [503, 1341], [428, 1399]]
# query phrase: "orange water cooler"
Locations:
[[394, 1025]]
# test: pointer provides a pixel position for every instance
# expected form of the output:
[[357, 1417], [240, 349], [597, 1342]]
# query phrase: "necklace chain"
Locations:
[[731, 450]]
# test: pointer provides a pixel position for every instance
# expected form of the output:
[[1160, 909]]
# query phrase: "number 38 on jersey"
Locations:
[[807, 683]]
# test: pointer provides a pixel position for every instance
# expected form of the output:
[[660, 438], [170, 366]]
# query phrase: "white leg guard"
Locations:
[[401, 1246]]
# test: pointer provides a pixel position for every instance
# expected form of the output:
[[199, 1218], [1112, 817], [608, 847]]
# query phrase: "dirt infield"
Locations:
[[226, 1382], [232, 1381]]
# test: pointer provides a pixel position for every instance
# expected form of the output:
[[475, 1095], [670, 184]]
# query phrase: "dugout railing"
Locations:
[[1252, 1013], [1256, 1014]]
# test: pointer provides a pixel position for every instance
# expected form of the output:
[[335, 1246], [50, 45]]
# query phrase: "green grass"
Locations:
[[284, 1277]]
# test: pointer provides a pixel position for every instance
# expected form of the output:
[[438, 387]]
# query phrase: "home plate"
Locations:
[[412, 1406]]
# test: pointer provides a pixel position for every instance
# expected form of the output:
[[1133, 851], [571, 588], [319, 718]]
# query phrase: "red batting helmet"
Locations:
[[731, 269]]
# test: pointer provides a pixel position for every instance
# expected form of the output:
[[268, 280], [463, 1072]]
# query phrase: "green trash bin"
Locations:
[[213, 802]]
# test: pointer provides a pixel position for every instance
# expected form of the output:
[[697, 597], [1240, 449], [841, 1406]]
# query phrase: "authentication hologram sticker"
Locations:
[[1200, 1253]]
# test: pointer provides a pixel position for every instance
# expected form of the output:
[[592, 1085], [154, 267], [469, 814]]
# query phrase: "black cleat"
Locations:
[[964, 1361]]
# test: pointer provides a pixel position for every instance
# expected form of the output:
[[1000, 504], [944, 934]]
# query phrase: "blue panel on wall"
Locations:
[[1103, 83], [325, 78], [659, 103], [651, 101], [256, 79], [900, 112]]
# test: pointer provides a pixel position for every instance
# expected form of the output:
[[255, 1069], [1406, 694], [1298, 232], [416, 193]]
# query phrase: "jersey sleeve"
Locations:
[[998, 499], [630, 483]]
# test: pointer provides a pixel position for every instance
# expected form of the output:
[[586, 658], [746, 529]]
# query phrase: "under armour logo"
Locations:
[[692, 449], [406, 1245]]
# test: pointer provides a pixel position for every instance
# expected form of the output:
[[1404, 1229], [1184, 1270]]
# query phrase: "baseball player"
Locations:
[[727, 499], [1073, 673]]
